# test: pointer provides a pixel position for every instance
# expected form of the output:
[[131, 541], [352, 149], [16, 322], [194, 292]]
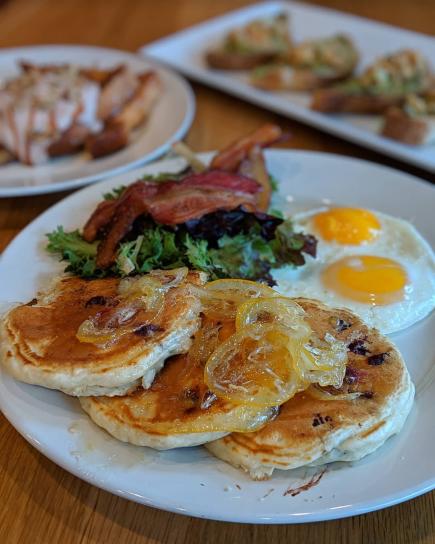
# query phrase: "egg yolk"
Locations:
[[366, 278], [347, 226]]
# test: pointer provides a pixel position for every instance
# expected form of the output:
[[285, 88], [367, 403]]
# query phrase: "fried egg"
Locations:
[[376, 265]]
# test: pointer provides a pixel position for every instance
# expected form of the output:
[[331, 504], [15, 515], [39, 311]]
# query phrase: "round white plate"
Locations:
[[168, 122], [190, 481]]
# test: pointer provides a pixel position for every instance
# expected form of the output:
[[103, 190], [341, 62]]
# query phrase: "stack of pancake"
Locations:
[[146, 386]]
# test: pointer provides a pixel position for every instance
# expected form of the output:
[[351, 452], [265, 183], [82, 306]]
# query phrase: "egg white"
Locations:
[[397, 240]]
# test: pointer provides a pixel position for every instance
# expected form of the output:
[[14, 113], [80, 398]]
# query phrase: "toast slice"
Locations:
[[385, 83], [311, 65], [258, 42], [414, 123]]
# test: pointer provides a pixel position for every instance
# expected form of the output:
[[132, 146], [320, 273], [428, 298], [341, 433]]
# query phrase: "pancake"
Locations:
[[178, 410], [312, 431], [39, 344]]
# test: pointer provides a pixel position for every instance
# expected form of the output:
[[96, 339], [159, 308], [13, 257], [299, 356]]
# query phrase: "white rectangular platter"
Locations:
[[185, 50]]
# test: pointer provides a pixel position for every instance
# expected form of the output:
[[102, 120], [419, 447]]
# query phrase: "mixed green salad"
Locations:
[[225, 244]]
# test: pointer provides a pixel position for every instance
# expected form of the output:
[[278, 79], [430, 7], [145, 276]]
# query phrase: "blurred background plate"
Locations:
[[185, 51], [168, 122]]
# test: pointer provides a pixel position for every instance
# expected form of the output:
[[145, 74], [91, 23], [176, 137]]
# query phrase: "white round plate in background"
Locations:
[[169, 121], [190, 481]]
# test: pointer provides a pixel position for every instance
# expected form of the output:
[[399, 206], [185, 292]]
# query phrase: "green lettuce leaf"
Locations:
[[79, 254], [245, 255]]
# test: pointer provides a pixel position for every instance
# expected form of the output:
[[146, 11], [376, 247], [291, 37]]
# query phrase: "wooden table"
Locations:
[[41, 503]]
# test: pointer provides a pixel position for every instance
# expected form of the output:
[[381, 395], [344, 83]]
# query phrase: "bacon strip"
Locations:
[[168, 203], [214, 179], [230, 158], [132, 205], [190, 203], [174, 202], [255, 168], [106, 209]]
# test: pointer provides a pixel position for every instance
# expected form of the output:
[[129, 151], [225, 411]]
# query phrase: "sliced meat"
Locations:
[[44, 111], [231, 157], [97, 75], [137, 108], [5, 156], [107, 141], [100, 76], [47, 111], [27, 66], [72, 140], [220, 180], [116, 92]]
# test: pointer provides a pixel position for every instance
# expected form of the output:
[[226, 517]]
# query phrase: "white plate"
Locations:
[[169, 122], [185, 52], [190, 481]]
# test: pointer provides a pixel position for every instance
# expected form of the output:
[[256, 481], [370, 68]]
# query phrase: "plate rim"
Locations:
[[290, 518], [75, 183], [331, 514]]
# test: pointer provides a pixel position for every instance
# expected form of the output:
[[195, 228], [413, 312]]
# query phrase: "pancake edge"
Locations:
[[119, 380]]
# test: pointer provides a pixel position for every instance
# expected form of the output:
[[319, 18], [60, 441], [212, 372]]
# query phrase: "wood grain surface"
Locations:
[[40, 502]]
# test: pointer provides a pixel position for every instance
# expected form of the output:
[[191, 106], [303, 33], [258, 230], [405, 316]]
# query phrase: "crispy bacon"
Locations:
[[222, 187], [170, 203], [190, 203], [101, 216], [230, 158], [254, 166], [134, 204], [105, 211], [215, 179]]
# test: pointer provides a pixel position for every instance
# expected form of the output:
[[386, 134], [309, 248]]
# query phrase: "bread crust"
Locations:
[[286, 78], [222, 60], [400, 126], [336, 100]]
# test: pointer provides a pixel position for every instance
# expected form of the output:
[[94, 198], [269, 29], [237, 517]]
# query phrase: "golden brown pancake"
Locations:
[[178, 410], [39, 343], [309, 431]]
